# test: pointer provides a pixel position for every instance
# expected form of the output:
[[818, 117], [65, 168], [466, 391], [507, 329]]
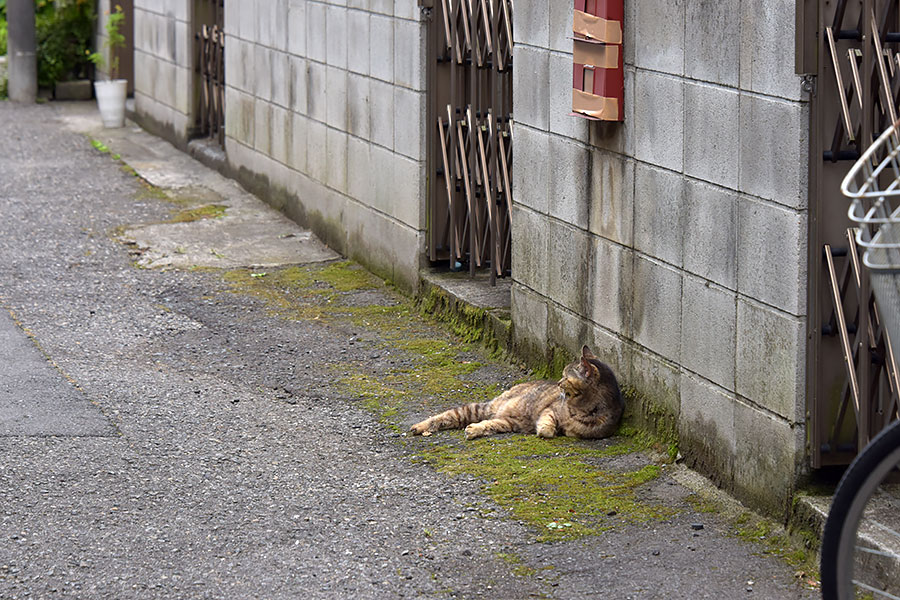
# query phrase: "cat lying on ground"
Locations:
[[585, 403]]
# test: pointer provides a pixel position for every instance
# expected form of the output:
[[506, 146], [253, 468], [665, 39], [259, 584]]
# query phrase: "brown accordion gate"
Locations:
[[852, 48], [209, 20], [470, 134]]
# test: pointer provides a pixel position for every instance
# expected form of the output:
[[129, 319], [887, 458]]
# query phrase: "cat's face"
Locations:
[[577, 378]]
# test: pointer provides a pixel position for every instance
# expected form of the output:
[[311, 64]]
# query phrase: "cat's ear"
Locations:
[[586, 353]]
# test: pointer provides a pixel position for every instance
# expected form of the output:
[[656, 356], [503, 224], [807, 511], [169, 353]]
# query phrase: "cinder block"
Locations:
[[381, 48], [771, 454], [612, 350], [336, 36], [618, 137], [659, 119], [296, 33], [567, 331], [382, 113], [358, 114], [317, 163], [265, 17], [406, 10], [242, 72], [279, 29], [281, 79], [184, 100], [409, 185], [530, 249], [658, 213], [316, 46], [708, 331], [358, 4], [531, 23], [317, 91], [768, 30], [336, 158], [232, 59], [712, 134], [299, 85], [569, 163], [382, 177], [359, 170], [232, 113], [771, 362], [611, 197], [383, 7], [282, 144], [336, 97], [262, 140], [529, 313], [657, 383], [561, 120], [184, 44], [409, 137], [712, 28], [531, 80], [299, 143], [663, 23], [247, 22], [232, 19], [262, 73], [560, 27], [774, 150], [409, 46], [531, 169], [706, 429], [710, 233], [358, 42], [611, 286], [570, 266], [656, 309], [771, 255]]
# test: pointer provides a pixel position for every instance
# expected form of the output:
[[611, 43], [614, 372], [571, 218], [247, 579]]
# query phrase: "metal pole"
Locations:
[[22, 51]]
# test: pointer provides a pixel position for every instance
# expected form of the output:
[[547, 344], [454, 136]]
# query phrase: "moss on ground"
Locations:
[[208, 211], [552, 484]]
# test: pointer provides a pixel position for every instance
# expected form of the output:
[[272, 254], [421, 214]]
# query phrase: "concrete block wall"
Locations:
[[163, 65], [325, 101], [675, 242], [324, 113]]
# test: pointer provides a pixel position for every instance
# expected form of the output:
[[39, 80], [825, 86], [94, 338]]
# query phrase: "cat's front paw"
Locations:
[[421, 428], [546, 432], [475, 430]]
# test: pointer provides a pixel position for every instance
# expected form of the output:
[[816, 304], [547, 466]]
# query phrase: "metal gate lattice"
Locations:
[[857, 97], [211, 69], [470, 87]]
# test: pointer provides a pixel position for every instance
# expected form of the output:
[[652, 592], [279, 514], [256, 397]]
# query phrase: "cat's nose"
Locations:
[[561, 381]]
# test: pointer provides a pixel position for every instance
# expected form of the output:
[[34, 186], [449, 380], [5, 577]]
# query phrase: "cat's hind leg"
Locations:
[[490, 427], [455, 418]]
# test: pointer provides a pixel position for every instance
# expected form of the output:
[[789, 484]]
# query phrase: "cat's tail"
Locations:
[[455, 418]]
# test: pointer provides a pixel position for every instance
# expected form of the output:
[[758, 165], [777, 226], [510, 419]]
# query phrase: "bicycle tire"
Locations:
[[865, 474]]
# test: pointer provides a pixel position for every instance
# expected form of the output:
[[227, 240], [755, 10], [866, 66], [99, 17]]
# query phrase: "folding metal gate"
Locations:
[[852, 48], [209, 20], [470, 133]]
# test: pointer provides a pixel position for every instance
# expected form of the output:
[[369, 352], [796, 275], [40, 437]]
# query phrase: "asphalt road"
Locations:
[[163, 438]]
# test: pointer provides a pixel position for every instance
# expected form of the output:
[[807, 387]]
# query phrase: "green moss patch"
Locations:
[[552, 484], [209, 211]]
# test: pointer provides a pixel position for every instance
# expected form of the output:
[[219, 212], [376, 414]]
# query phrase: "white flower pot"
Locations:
[[111, 101]]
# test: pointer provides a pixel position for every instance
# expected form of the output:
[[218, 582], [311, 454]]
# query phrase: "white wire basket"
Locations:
[[873, 185]]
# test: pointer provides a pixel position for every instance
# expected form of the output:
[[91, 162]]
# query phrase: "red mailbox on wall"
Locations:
[[598, 82]]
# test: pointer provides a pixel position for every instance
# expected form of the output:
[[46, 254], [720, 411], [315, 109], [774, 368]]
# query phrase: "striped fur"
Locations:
[[585, 403]]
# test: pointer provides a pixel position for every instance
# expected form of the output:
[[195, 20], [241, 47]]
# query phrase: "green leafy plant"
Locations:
[[64, 30], [113, 42]]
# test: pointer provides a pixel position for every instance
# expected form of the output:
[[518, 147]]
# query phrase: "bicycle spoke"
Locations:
[[878, 552], [869, 588], [887, 529]]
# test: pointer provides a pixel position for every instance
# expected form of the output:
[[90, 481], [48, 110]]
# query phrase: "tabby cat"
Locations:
[[585, 403]]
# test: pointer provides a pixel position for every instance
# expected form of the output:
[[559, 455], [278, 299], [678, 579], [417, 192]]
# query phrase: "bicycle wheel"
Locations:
[[862, 533]]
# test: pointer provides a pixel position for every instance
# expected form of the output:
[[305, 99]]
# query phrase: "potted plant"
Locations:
[[111, 92]]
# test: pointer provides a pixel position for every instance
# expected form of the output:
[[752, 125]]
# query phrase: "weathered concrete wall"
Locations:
[[163, 65], [326, 101], [324, 113], [676, 240]]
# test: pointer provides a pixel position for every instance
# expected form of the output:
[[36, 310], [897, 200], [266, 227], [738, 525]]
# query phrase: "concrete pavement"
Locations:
[[221, 424]]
